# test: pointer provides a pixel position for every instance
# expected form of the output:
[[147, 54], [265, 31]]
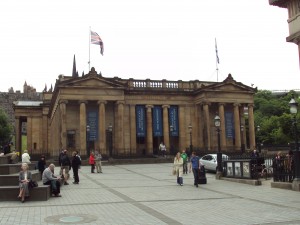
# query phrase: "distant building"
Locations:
[[131, 117], [293, 7]]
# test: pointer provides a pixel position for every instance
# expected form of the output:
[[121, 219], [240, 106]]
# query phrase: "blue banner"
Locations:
[[229, 125], [173, 120], [157, 121], [140, 121], [92, 122]]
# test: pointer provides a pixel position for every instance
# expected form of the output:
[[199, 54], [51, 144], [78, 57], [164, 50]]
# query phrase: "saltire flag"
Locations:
[[96, 40], [218, 61]]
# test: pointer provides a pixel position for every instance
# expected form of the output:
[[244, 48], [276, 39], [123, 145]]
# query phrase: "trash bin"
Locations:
[[202, 176]]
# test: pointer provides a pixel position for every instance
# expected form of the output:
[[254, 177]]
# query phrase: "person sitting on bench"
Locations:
[[49, 178]]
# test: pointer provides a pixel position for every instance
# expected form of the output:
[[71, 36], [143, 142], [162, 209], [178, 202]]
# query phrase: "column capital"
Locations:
[[251, 105], [236, 104], [120, 103], [101, 102], [221, 104], [83, 101], [206, 103], [149, 106], [165, 106], [63, 101]]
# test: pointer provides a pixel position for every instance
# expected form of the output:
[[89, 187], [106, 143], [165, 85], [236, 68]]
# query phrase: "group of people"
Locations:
[[95, 162], [181, 166]]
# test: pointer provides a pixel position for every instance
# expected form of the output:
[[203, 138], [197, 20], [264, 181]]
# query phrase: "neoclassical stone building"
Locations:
[[128, 117]]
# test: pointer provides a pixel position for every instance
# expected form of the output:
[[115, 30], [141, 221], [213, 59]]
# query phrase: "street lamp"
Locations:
[[191, 146], [243, 144], [217, 121], [171, 143], [110, 129], [258, 140], [294, 109], [87, 139]]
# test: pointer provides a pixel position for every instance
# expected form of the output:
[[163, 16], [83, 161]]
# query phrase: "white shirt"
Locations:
[[25, 158]]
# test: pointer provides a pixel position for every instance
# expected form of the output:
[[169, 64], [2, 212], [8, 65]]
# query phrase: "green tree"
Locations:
[[5, 128]]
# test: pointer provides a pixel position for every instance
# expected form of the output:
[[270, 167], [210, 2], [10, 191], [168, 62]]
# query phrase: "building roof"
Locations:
[[279, 3]]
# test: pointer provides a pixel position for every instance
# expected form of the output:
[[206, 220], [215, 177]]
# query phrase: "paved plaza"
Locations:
[[144, 194]]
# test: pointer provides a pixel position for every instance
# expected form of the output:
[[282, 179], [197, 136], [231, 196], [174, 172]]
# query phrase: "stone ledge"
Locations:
[[10, 193], [243, 181], [282, 185]]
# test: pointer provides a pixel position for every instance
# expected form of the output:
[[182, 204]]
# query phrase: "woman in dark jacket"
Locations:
[[75, 166], [42, 164]]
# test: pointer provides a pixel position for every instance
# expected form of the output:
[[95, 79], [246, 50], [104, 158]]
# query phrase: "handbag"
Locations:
[[174, 171], [33, 184]]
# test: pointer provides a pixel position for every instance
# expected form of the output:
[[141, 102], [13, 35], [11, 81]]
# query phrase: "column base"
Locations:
[[219, 175], [296, 185]]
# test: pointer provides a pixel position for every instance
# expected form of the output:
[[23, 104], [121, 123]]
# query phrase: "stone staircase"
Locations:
[[9, 182]]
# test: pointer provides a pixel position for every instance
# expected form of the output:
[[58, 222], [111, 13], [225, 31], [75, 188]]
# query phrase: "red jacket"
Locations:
[[92, 159]]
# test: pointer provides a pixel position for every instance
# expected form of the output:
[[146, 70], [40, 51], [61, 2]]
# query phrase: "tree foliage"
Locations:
[[272, 114], [5, 128]]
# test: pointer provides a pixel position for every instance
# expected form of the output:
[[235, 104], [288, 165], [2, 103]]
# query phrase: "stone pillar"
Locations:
[[120, 128], [63, 121], [200, 125], [166, 131], [29, 135], [101, 128], [183, 129], [237, 126], [82, 128], [207, 124], [18, 134], [132, 125], [223, 131], [44, 138], [149, 145], [251, 127]]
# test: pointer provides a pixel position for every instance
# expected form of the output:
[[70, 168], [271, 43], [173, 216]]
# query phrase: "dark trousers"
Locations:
[[75, 172], [185, 169], [54, 185], [92, 168], [196, 175]]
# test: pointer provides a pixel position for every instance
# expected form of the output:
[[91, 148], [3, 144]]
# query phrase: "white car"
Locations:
[[210, 161]]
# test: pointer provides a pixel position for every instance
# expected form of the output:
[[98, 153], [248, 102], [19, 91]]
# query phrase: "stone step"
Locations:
[[4, 159], [6, 169], [40, 193], [13, 179]]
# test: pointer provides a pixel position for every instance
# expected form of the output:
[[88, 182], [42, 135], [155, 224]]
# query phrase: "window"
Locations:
[[71, 138]]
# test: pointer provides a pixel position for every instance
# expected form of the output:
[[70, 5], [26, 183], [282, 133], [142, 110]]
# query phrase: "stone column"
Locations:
[[237, 126], [183, 129], [18, 134], [44, 138], [200, 125], [82, 128], [29, 135], [223, 131], [149, 145], [251, 127], [166, 127], [120, 128], [207, 124], [132, 125], [63, 121], [101, 127]]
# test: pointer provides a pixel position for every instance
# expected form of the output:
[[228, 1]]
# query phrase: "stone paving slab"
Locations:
[[148, 194]]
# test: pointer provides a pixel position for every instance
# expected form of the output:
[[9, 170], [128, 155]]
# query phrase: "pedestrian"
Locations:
[[178, 165], [195, 167], [41, 164], [98, 158], [290, 165], [163, 149], [184, 156], [75, 166], [65, 166], [24, 179], [254, 154], [278, 167], [49, 178], [92, 162], [25, 157]]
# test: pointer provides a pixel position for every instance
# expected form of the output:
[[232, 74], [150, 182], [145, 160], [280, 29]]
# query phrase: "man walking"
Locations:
[[65, 165], [195, 166]]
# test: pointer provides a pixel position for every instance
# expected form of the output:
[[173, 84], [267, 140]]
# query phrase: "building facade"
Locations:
[[129, 117], [293, 7]]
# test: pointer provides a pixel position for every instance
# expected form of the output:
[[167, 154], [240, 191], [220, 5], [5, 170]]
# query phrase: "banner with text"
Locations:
[[140, 121], [229, 125], [92, 122], [173, 120], [157, 121]]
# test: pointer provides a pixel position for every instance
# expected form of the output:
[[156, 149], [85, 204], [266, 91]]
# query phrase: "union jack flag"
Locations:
[[96, 40]]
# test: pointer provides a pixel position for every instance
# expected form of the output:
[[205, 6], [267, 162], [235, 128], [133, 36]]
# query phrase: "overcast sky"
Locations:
[[155, 39]]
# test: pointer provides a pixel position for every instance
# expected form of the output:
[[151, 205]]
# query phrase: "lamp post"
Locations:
[[243, 144], [171, 143], [191, 146], [110, 129], [217, 121], [258, 140], [294, 109], [87, 139]]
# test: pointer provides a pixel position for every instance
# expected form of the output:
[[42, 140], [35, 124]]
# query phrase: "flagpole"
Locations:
[[89, 50]]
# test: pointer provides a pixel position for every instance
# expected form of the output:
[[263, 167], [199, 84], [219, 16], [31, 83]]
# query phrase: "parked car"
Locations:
[[210, 161]]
